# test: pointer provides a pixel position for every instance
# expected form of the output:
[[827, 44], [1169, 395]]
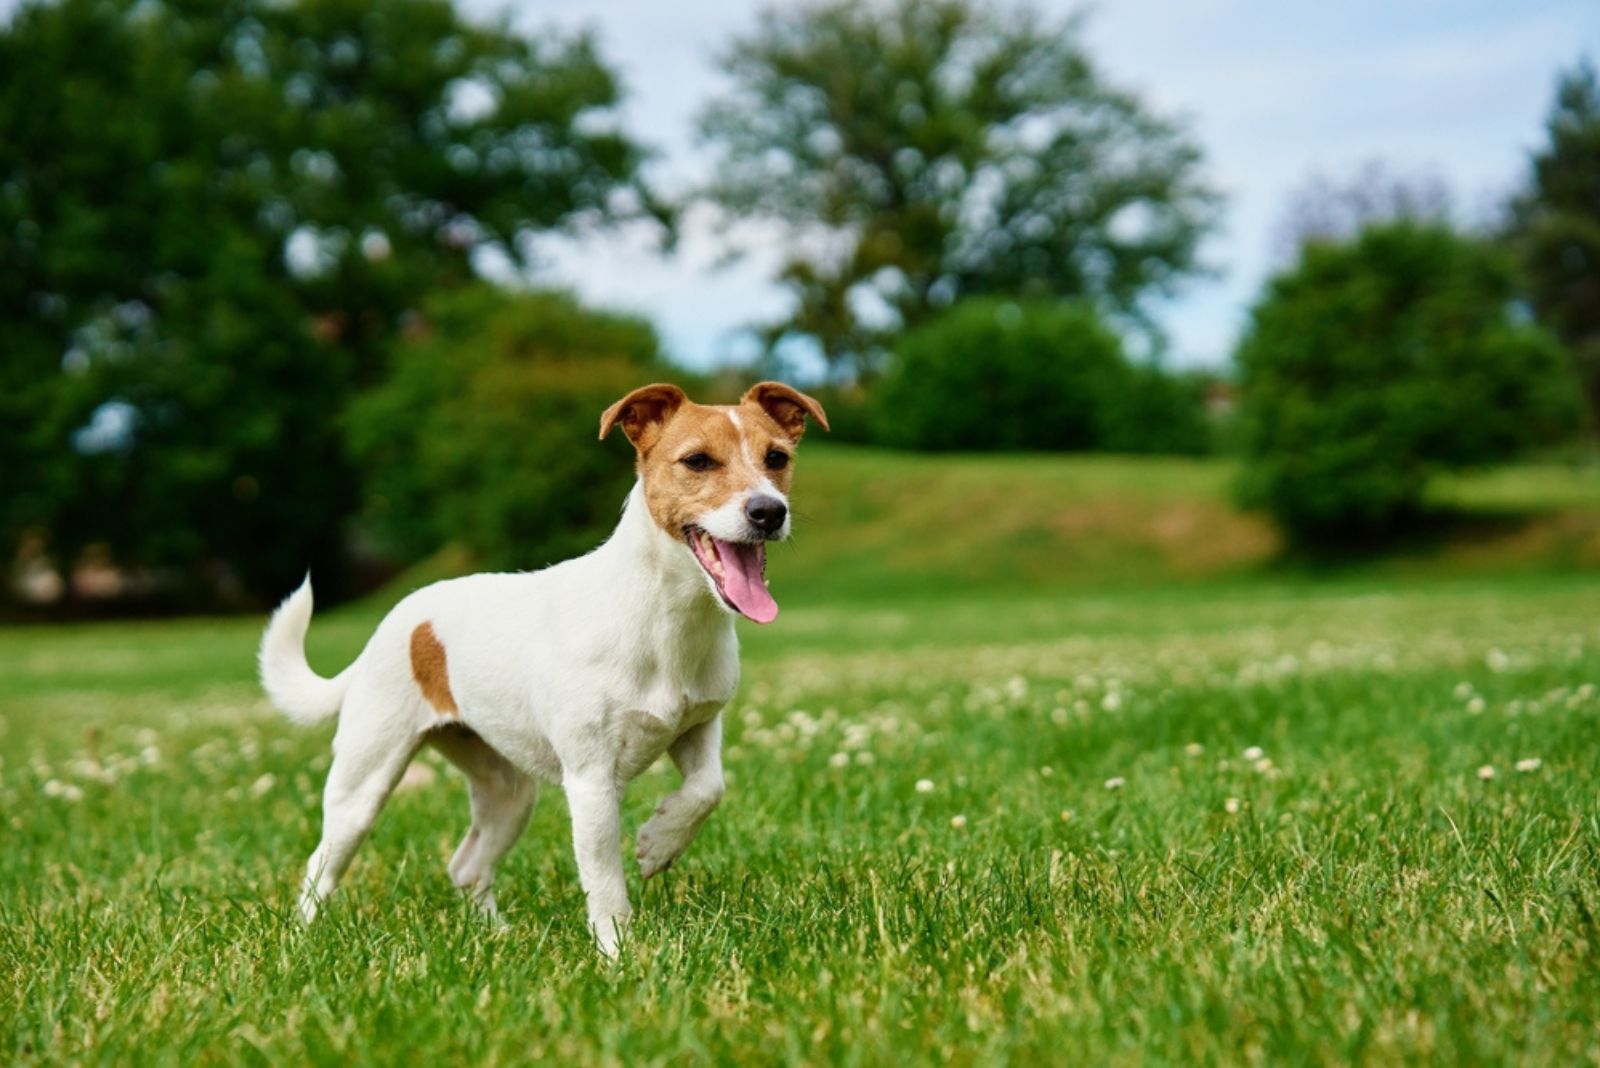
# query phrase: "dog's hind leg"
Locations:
[[370, 752], [502, 800]]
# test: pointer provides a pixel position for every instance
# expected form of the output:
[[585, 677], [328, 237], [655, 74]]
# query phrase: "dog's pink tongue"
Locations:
[[744, 584]]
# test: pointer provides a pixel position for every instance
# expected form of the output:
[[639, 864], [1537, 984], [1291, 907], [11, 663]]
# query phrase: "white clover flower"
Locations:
[[1046, 771], [1486, 772], [52, 788], [263, 784], [1066, 815], [1254, 752], [71, 794], [1116, 782], [958, 822], [924, 786], [1194, 749], [1463, 690], [1111, 701], [1527, 764], [1264, 765], [839, 760], [1232, 806], [1497, 661], [865, 757]]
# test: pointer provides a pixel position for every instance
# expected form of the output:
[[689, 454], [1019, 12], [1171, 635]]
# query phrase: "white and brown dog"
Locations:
[[583, 673]]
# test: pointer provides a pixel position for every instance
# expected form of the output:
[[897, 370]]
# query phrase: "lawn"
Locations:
[[1247, 816]]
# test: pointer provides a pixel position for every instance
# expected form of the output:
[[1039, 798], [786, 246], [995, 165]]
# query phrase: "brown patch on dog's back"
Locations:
[[431, 670]]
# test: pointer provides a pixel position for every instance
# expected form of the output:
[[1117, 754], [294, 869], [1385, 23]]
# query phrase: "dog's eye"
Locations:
[[698, 461], [777, 459]]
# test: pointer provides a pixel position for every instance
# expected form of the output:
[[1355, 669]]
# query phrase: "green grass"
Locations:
[[896, 523], [1364, 896]]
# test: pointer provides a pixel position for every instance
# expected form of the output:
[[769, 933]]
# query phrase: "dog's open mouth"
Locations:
[[740, 571]]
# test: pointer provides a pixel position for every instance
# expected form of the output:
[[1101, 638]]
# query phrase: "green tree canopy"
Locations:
[[994, 374], [477, 437], [1375, 363], [1556, 225], [215, 218], [920, 151]]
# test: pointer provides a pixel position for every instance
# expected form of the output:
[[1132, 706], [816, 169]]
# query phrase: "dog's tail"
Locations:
[[297, 691]]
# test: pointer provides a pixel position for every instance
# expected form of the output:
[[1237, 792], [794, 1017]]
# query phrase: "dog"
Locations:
[[581, 674]]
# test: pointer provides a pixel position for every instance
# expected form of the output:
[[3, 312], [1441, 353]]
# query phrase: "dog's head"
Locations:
[[716, 478]]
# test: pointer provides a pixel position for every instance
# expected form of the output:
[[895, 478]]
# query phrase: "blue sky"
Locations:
[[1275, 91]]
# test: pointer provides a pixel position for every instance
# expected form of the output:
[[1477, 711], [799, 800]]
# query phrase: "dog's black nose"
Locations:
[[767, 513]]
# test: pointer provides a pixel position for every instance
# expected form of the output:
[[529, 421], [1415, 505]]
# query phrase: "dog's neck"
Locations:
[[656, 574]]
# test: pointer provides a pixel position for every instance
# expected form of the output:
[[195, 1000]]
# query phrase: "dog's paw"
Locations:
[[658, 848], [608, 931]]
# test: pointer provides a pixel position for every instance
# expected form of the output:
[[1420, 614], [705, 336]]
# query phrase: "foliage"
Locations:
[[1158, 411], [484, 433], [213, 221], [1556, 226], [920, 151], [993, 374], [1373, 365]]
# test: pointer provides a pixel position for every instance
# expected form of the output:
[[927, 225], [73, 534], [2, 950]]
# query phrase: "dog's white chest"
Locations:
[[648, 732]]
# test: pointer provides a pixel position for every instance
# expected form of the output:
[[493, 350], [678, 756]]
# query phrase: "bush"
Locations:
[[1158, 412], [484, 433], [1372, 365], [997, 375]]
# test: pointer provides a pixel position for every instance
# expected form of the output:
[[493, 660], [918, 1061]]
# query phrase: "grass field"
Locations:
[[1242, 816]]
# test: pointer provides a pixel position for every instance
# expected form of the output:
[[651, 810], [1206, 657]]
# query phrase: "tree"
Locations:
[[1373, 364], [921, 151], [471, 439], [214, 221], [992, 374], [1556, 226]]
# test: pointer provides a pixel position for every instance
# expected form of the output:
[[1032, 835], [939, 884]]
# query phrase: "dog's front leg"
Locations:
[[595, 801], [698, 754]]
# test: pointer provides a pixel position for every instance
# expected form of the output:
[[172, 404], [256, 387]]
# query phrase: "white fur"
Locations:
[[300, 693], [582, 674]]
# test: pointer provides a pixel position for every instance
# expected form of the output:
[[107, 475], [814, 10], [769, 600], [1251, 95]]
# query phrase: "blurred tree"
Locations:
[[471, 438], [920, 151], [1556, 226], [1040, 375], [1373, 364], [215, 218]]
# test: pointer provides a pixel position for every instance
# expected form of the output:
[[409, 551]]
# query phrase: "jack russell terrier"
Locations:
[[582, 674]]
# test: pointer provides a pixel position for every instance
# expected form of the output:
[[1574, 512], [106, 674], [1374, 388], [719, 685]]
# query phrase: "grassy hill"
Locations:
[[870, 520], [874, 523]]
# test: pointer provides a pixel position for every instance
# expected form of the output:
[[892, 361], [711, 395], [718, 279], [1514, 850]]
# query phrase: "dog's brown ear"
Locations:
[[787, 406], [643, 413]]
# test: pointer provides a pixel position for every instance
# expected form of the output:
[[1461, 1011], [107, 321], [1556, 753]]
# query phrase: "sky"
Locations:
[[1274, 91]]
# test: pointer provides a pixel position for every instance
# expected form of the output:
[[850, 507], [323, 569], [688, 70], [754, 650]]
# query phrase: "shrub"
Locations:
[[484, 433], [1373, 364], [1158, 412], [997, 375]]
